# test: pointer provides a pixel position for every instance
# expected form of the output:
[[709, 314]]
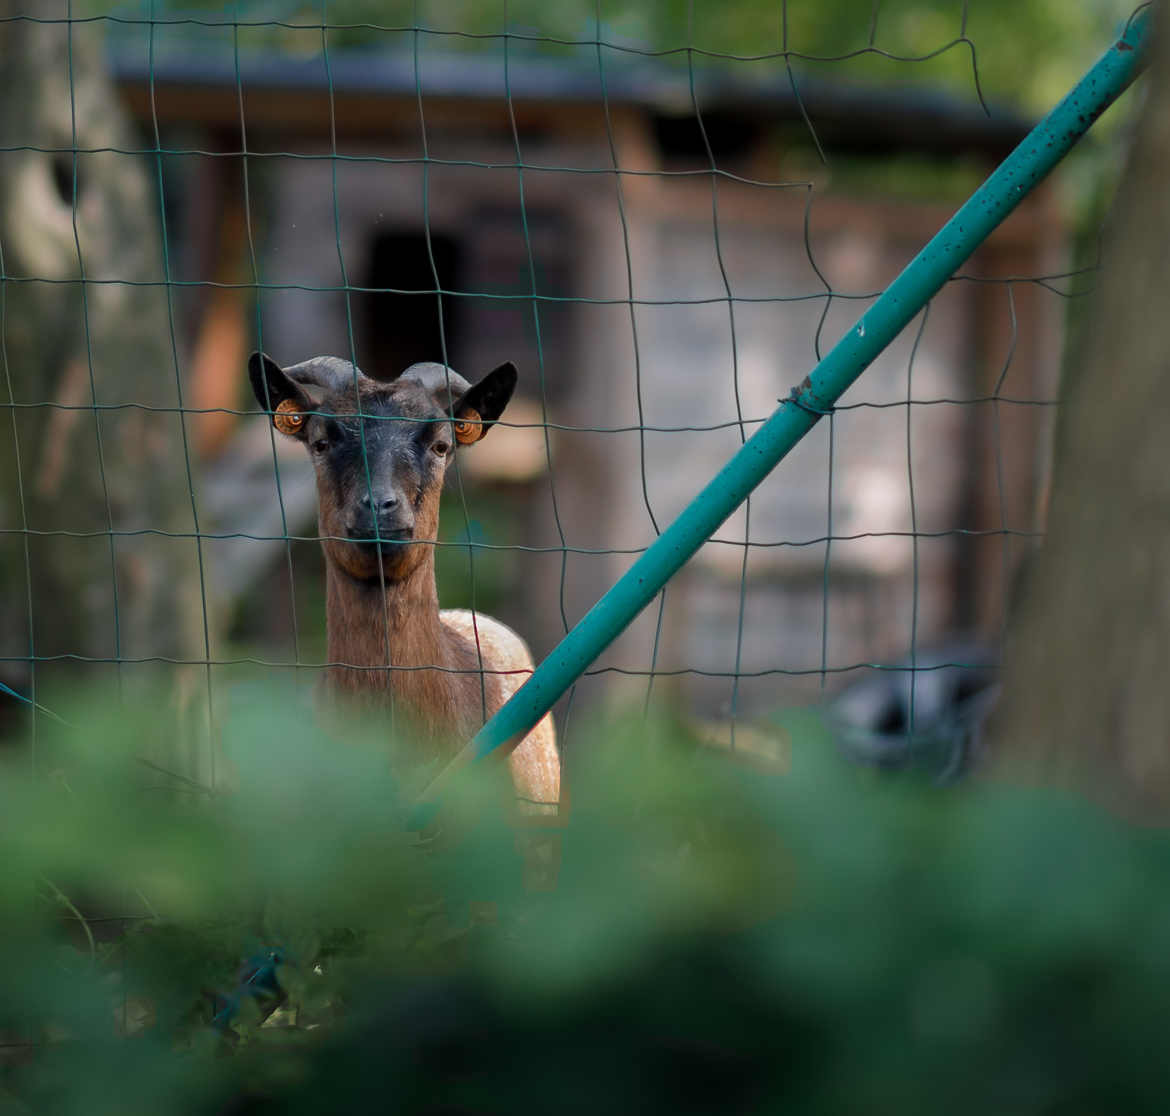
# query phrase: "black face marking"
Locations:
[[380, 465]]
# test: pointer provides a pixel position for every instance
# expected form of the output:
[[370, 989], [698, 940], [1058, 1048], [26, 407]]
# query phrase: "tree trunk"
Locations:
[[100, 592], [1087, 663]]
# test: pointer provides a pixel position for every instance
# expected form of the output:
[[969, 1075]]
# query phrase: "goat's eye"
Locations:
[[440, 448], [320, 445]]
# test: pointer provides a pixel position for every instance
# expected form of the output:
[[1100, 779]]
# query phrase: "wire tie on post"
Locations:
[[794, 397]]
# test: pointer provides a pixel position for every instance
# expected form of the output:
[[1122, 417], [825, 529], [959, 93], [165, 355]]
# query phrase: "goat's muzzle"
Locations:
[[365, 534], [385, 519]]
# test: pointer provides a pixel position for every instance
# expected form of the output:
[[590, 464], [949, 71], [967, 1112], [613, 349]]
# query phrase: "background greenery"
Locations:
[[720, 939], [1028, 50]]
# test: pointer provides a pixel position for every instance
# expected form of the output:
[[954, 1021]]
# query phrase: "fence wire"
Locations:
[[620, 240]]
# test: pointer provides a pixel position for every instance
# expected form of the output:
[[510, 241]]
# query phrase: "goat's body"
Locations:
[[447, 671], [534, 763]]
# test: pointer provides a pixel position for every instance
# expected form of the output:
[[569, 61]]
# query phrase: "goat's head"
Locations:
[[380, 450]]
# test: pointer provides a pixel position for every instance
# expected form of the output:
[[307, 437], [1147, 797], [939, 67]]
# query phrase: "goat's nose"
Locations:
[[386, 502]]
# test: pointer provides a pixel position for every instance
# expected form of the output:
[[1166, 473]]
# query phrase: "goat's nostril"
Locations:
[[389, 503]]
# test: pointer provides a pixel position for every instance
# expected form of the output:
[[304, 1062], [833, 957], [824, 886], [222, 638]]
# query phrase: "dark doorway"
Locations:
[[400, 329]]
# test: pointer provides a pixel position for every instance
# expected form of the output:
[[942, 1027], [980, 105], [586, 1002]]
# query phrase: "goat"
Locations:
[[381, 452]]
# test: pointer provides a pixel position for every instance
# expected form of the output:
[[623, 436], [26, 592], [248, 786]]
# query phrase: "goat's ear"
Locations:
[[483, 403], [276, 393]]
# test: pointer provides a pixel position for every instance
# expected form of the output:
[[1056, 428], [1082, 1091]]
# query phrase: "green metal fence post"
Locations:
[[1011, 182]]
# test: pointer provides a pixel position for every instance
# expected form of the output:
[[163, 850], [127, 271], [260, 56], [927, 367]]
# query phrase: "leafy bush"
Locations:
[[824, 941]]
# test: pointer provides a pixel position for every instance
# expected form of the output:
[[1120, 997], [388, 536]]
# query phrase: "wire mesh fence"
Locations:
[[663, 239]]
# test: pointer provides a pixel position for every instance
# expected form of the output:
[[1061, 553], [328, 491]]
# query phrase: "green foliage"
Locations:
[[1029, 51], [718, 940]]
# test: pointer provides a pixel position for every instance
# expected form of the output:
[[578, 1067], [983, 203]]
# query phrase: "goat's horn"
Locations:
[[329, 373], [437, 379]]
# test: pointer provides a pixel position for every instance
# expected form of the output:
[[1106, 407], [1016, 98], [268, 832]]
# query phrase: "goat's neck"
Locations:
[[376, 631], [396, 625]]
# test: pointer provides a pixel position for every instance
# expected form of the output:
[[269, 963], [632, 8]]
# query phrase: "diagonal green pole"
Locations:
[[1011, 182]]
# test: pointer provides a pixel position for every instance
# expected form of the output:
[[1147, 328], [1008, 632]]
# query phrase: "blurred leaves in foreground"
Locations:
[[824, 941]]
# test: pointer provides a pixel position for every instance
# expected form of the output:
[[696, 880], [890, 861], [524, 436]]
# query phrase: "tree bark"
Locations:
[[1087, 662], [69, 344]]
